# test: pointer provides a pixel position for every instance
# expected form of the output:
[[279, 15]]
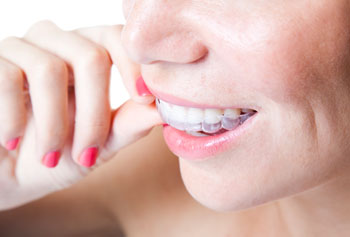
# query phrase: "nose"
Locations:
[[158, 30]]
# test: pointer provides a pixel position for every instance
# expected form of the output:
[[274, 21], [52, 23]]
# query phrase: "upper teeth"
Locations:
[[196, 119]]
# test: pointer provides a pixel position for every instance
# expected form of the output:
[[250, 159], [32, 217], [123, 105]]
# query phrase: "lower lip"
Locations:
[[201, 148]]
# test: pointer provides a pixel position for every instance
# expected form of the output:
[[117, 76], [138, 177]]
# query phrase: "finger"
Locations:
[[91, 66], [12, 105], [47, 77], [110, 38], [131, 122]]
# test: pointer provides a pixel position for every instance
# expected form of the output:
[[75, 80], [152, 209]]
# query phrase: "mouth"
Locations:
[[202, 122], [198, 133]]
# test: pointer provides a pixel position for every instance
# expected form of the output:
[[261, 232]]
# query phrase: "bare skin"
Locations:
[[287, 177], [140, 193], [137, 195]]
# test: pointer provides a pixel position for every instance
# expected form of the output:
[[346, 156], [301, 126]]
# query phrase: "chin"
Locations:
[[241, 191], [212, 192], [225, 204]]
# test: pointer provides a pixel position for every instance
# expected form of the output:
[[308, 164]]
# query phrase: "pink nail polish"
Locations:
[[12, 144], [50, 160], [141, 87], [88, 158]]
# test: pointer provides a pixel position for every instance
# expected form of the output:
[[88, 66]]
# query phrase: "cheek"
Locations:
[[266, 166], [281, 74], [282, 157], [285, 62], [277, 70], [291, 63]]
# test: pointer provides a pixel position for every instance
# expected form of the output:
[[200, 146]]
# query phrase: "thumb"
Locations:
[[130, 122]]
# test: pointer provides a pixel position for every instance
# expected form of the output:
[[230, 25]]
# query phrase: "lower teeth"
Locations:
[[243, 118], [197, 134], [204, 134]]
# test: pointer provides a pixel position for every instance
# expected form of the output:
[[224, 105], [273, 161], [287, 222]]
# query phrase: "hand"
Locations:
[[55, 110]]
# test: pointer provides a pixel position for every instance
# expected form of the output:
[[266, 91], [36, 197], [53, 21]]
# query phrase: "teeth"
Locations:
[[212, 116], [194, 120], [247, 111], [212, 120], [165, 110], [211, 127], [179, 114], [231, 118], [229, 123], [232, 113], [196, 134], [195, 115]]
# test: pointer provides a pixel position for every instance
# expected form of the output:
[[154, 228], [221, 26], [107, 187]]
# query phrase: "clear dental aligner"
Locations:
[[202, 122]]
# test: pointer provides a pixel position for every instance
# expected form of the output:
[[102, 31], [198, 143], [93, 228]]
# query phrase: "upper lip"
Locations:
[[186, 103]]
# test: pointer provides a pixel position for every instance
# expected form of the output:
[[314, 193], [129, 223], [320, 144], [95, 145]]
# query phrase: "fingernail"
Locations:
[[88, 158], [12, 144], [141, 87], [50, 160]]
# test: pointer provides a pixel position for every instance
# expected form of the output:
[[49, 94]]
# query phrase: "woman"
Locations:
[[261, 89]]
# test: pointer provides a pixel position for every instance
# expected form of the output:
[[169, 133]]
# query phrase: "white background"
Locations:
[[16, 16]]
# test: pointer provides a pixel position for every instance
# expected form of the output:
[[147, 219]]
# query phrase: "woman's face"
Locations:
[[290, 59]]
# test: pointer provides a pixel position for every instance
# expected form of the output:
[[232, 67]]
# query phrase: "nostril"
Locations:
[[190, 50], [146, 45], [202, 58]]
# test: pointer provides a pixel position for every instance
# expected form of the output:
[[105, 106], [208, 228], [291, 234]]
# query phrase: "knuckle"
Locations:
[[115, 30], [93, 122], [9, 40], [10, 72], [94, 127], [97, 58], [39, 26], [112, 34], [49, 67], [47, 141], [58, 134], [53, 132], [10, 76]]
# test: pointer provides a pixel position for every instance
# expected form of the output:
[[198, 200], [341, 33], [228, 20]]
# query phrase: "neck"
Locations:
[[322, 211]]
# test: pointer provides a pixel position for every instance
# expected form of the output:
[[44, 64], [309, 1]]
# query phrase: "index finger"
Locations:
[[109, 37]]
